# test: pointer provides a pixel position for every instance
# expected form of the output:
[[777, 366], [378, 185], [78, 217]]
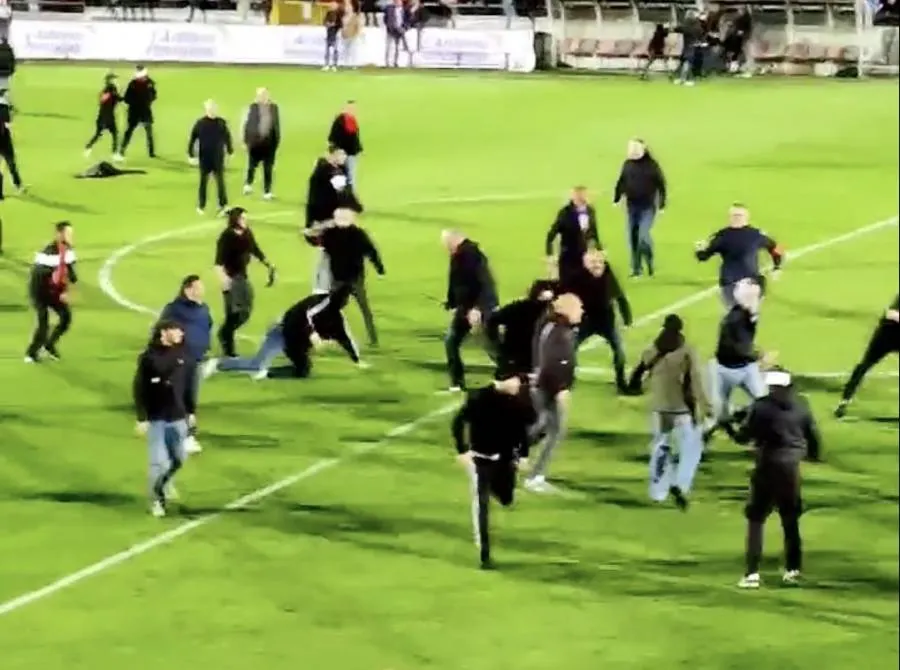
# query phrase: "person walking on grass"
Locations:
[[642, 185]]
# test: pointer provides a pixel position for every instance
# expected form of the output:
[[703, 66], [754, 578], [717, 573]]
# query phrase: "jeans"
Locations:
[[681, 429], [165, 446], [271, 347], [722, 381], [640, 240], [351, 169]]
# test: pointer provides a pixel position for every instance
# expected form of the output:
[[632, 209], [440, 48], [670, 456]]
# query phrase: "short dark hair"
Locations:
[[189, 281], [62, 225], [234, 214], [168, 324]]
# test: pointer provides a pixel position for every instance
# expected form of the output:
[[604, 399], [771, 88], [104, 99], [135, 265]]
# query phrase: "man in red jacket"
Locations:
[[344, 134]]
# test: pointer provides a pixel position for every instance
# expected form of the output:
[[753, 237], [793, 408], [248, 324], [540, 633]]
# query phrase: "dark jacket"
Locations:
[[107, 103], [510, 330], [554, 346], [657, 43], [693, 31], [7, 60], [52, 271], [391, 20], [735, 348], [162, 391], [254, 135], [642, 183], [470, 283], [210, 140], [140, 96], [498, 424], [739, 249], [319, 313], [344, 134], [598, 294], [196, 321], [781, 427], [234, 250], [329, 189], [577, 232], [348, 247]]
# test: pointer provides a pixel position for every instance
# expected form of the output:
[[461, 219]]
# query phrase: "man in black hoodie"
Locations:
[[347, 247], [164, 406], [7, 145], [139, 96], [597, 287], [510, 329], [643, 186], [471, 295], [106, 115], [656, 48], [783, 431], [576, 227]]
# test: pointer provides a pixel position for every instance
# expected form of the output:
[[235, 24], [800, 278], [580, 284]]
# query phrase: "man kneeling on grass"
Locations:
[[304, 327]]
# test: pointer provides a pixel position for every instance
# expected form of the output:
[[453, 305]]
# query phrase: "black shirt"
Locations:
[[344, 134], [319, 313], [140, 96], [329, 189], [161, 388], [554, 347], [211, 139], [739, 249], [781, 427], [737, 332], [348, 247], [576, 228], [7, 60], [332, 23], [470, 283], [511, 331], [498, 424], [234, 249], [109, 99], [597, 295], [642, 183]]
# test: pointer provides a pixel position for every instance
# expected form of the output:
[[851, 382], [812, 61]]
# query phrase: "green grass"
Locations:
[[368, 565]]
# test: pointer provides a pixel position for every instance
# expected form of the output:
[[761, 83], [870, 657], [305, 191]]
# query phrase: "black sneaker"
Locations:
[[680, 501], [841, 410], [488, 564], [52, 352]]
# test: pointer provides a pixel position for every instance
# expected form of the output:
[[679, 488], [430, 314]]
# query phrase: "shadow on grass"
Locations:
[[97, 498], [67, 207]]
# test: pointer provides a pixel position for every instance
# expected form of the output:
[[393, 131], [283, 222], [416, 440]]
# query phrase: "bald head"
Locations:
[[209, 107], [451, 239], [569, 306], [262, 95]]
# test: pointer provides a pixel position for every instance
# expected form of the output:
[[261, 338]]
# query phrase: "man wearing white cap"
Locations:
[[139, 97], [783, 432]]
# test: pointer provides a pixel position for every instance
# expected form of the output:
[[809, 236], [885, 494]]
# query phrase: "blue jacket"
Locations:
[[196, 320]]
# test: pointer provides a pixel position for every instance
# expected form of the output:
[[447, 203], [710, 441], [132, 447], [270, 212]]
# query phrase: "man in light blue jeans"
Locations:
[[665, 474], [259, 365], [166, 449], [640, 237]]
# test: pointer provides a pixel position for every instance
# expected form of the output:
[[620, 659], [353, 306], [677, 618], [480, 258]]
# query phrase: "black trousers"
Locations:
[[885, 340], [42, 337], [238, 302], [605, 327], [8, 153], [105, 125], [456, 334], [331, 50], [218, 173], [261, 155], [774, 485], [133, 124], [495, 479]]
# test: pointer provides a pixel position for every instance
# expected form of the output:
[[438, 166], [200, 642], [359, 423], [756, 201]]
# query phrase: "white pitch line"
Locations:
[[185, 528], [883, 374]]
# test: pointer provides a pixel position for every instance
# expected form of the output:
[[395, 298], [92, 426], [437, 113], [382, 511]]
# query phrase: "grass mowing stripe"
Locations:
[[322, 465]]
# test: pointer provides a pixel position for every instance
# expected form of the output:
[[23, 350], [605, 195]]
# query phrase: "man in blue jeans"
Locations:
[[643, 186], [164, 406]]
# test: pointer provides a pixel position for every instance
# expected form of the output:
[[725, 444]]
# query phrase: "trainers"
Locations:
[[31, 359], [259, 375], [171, 492], [791, 577], [52, 352], [248, 189], [158, 509], [191, 445], [538, 484], [841, 410], [268, 196], [749, 581], [681, 501], [209, 368], [87, 153], [118, 158]]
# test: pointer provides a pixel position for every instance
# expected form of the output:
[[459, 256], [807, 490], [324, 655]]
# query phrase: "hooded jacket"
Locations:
[[196, 321], [161, 387], [781, 427]]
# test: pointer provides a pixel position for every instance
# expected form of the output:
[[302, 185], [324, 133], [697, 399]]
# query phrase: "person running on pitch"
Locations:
[[510, 329]]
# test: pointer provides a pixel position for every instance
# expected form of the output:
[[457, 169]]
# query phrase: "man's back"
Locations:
[[739, 250]]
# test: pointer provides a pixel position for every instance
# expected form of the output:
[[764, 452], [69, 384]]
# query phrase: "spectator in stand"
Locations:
[[194, 5], [351, 27], [888, 13], [333, 19], [417, 20], [396, 23], [5, 19], [370, 12], [344, 135]]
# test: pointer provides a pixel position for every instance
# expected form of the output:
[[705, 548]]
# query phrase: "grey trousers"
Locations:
[[323, 282], [552, 421]]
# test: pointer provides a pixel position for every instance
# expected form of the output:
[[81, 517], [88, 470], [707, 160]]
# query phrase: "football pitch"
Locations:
[[326, 526]]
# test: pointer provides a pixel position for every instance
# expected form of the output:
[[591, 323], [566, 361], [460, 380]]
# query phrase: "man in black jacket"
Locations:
[[7, 63], [555, 346], [782, 429], [498, 417], [347, 247], [599, 290], [690, 63], [884, 340], [656, 48], [139, 96], [52, 273], [510, 329], [344, 134], [234, 249], [304, 327], [208, 146], [739, 245], [164, 406], [329, 190], [643, 186], [106, 115], [576, 227], [471, 295], [7, 145], [262, 135]]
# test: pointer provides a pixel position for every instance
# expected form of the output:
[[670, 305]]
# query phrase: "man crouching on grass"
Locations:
[[164, 404]]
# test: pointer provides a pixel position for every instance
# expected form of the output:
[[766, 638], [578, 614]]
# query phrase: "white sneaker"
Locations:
[[690, 83], [157, 509], [222, 212], [749, 581], [209, 368], [171, 492], [677, 82], [268, 196], [29, 359], [191, 445], [87, 153], [363, 365], [259, 375], [538, 484], [118, 158], [325, 68], [200, 211], [791, 577], [248, 189]]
